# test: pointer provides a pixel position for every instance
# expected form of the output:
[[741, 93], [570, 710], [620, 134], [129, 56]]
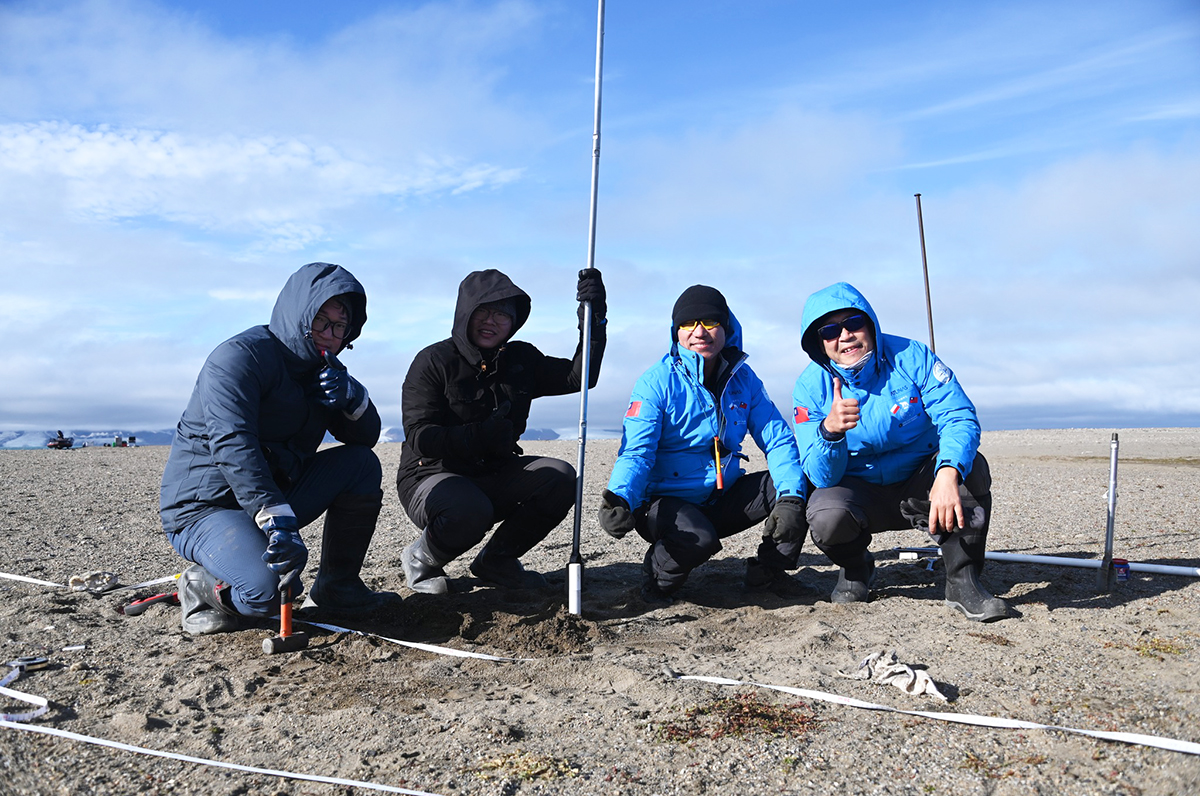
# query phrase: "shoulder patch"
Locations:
[[635, 408], [941, 372], [800, 415]]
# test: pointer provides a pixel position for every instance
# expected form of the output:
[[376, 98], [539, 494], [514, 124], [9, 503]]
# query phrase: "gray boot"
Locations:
[[205, 603], [963, 556], [423, 567], [337, 588]]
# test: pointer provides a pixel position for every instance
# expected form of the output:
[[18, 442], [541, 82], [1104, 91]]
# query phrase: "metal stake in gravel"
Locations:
[[575, 566], [1105, 577]]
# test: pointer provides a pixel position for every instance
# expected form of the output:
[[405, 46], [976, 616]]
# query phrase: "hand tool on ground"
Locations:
[[138, 607], [286, 641]]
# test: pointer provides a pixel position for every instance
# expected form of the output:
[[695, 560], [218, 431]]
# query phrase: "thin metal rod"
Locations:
[[575, 566], [925, 270], [1106, 578]]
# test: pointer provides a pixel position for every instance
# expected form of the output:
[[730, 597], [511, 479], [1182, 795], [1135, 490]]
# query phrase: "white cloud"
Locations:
[[279, 188]]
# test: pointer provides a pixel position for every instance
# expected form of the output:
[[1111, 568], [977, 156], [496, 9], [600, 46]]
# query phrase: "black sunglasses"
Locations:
[[832, 331]]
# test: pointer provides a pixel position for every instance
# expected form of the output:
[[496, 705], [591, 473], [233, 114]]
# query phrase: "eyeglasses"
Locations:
[[486, 313], [321, 323], [707, 323], [832, 331]]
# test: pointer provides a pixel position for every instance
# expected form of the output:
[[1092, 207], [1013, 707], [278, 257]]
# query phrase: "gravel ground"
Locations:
[[599, 709]]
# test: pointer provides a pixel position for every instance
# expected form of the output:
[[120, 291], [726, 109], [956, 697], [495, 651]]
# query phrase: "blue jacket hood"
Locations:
[[300, 300], [840, 296]]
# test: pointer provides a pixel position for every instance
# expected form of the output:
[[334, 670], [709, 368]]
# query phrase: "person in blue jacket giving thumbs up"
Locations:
[[889, 440]]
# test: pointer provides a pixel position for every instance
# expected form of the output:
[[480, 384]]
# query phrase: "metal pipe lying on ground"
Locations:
[[1062, 561]]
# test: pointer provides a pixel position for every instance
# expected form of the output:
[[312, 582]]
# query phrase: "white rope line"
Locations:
[[1170, 744], [450, 651], [270, 772]]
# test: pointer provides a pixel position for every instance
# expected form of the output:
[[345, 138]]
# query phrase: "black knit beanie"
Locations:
[[701, 302]]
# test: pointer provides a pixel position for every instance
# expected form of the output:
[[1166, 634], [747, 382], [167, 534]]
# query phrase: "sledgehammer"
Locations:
[[286, 641]]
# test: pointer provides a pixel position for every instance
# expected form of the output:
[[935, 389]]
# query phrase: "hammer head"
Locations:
[[290, 643]]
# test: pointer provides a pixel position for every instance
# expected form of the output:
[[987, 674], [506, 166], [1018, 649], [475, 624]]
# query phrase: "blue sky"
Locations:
[[164, 166]]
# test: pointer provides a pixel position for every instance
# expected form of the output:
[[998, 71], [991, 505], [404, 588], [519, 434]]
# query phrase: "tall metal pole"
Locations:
[[575, 566], [1106, 577], [925, 269]]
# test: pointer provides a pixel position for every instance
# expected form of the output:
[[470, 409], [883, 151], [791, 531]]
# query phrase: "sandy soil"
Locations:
[[599, 710]]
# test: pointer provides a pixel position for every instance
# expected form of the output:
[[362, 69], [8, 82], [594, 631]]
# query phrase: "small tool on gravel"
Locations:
[[138, 607], [286, 641]]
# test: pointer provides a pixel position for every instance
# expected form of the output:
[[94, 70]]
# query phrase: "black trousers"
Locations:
[[684, 535], [842, 518], [529, 497]]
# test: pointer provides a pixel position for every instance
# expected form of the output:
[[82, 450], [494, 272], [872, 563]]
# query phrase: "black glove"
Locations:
[[616, 518], [286, 554], [787, 522], [495, 435], [337, 388], [591, 289]]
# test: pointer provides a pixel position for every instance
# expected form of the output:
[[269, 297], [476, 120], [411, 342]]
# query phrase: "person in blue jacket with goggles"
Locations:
[[889, 440], [678, 480]]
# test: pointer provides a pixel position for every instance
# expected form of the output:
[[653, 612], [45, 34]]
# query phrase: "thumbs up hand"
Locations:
[[843, 414]]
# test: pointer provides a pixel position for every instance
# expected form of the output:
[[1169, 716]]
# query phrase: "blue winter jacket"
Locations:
[[911, 406], [250, 424], [667, 444]]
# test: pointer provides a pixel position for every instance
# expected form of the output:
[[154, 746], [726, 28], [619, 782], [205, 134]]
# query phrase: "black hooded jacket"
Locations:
[[250, 425], [452, 386]]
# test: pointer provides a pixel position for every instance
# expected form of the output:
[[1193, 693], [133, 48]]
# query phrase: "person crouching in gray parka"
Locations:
[[244, 474]]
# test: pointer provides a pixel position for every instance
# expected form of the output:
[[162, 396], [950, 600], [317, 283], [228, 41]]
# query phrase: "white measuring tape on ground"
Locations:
[[450, 651], [42, 703], [1170, 744], [83, 586], [269, 772]]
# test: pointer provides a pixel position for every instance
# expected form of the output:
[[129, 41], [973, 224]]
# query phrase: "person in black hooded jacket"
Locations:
[[465, 404], [244, 474]]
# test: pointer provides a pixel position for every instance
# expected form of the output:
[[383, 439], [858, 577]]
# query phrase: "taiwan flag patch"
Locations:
[[800, 415], [635, 408]]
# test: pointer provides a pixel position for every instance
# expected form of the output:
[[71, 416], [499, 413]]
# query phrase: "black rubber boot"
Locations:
[[760, 577], [963, 556], [855, 579], [651, 592], [505, 570], [205, 603], [337, 588], [423, 568]]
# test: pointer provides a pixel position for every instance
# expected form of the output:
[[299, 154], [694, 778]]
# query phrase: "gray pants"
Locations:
[[529, 497], [842, 518]]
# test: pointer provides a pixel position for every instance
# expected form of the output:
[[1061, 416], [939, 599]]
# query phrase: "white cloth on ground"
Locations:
[[884, 668]]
